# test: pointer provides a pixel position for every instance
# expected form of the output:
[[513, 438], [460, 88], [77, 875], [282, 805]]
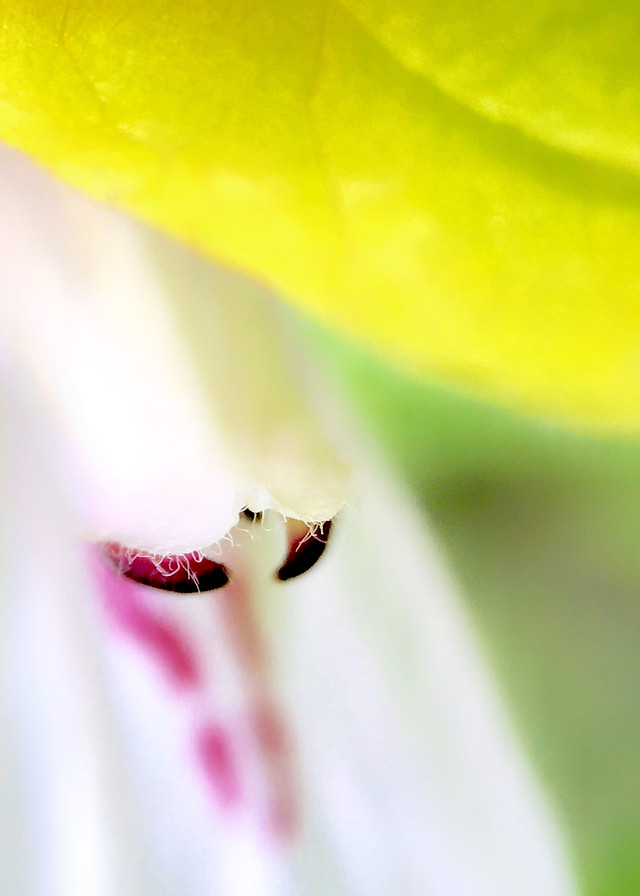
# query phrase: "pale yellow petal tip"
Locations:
[[474, 218]]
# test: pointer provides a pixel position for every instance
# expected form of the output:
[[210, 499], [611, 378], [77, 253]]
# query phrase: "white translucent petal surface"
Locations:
[[103, 798], [411, 780], [170, 378], [411, 769]]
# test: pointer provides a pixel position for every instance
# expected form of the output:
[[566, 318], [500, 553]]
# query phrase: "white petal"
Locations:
[[170, 377], [104, 798], [410, 763], [412, 781]]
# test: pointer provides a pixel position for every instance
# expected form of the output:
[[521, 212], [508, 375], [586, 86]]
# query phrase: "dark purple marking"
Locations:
[[304, 552]]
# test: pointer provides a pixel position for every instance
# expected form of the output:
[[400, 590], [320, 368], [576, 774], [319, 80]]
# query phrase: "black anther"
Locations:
[[305, 553]]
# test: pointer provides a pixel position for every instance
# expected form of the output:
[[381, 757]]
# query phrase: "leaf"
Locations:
[[455, 184]]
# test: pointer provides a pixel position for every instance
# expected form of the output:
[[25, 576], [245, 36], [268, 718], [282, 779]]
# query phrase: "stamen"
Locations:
[[304, 552], [183, 574]]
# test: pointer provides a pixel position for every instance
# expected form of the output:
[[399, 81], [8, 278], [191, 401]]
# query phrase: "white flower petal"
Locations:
[[411, 778], [410, 764], [170, 377]]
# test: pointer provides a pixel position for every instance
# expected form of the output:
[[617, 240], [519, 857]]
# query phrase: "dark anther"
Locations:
[[304, 552], [252, 515], [216, 577], [183, 574]]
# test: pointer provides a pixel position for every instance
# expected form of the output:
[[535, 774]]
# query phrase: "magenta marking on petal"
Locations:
[[280, 813], [266, 729], [281, 818], [214, 748], [138, 612], [159, 637], [165, 643]]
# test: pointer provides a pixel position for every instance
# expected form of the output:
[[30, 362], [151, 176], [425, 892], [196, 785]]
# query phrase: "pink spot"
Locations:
[[159, 637], [164, 643], [141, 613], [268, 729], [272, 743], [281, 820], [215, 752]]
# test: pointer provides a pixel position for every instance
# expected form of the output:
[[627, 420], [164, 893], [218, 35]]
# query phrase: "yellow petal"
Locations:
[[465, 201]]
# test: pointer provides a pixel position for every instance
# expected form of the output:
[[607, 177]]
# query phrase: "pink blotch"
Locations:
[[218, 759], [161, 638]]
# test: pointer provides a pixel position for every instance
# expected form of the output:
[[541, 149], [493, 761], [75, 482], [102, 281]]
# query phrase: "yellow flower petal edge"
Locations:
[[452, 183]]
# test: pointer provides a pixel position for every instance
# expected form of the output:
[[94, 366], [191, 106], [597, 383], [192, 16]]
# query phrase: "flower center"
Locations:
[[195, 572]]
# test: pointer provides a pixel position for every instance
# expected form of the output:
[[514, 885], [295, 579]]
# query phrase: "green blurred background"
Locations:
[[541, 527]]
